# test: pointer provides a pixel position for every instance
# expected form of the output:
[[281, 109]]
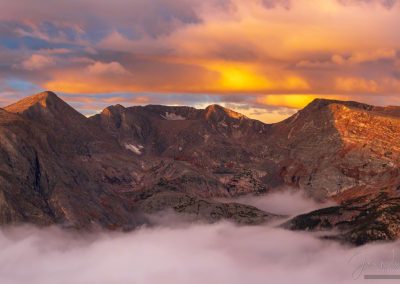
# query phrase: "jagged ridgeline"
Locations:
[[110, 170]]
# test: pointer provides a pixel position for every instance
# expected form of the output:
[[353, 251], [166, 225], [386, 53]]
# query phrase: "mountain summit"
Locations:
[[44, 100], [45, 105], [219, 113]]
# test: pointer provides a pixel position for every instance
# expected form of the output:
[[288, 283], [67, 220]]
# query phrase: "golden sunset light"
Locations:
[[261, 53], [199, 141]]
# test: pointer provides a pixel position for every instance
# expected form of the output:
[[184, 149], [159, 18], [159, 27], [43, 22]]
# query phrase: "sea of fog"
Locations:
[[178, 253]]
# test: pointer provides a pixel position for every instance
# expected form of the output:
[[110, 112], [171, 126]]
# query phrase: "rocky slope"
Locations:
[[114, 168], [356, 164], [357, 221], [332, 147], [328, 148], [210, 152], [57, 166]]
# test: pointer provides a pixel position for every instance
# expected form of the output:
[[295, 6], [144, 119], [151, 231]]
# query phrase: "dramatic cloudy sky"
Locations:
[[265, 58]]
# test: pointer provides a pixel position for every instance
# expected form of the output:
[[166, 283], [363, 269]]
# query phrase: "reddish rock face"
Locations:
[[372, 217], [57, 166], [331, 147], [327, 149]]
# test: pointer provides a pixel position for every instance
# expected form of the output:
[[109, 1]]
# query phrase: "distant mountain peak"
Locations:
[[44, 99], [337, 106], [45, 106], [219, 112], [108, 111], [322, 103]]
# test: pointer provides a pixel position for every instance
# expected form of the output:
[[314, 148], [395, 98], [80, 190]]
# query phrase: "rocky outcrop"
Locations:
[[357, 221], [194, 208]]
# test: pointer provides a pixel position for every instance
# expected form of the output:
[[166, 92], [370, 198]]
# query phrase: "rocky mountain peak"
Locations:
[[321, 111], [45, 100], [217, 112], [319, 104], [45, 106], [112, 110], [117, 107]]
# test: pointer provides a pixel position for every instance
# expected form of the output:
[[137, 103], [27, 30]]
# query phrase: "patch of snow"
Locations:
[[172, 116], [137, 149]]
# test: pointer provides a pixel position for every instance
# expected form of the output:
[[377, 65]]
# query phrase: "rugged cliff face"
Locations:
[[327, 149], [57, 166], [332, 147], [358, 221], [211, 152]]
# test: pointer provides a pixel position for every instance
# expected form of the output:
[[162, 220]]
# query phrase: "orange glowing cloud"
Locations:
[[252, 49], [357, 84], [297, 101], [282, 54]]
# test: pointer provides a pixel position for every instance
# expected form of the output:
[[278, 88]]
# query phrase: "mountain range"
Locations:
[[114, 169]]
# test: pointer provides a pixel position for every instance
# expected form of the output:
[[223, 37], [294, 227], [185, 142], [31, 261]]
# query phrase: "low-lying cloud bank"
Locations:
[[194, 253], [287, 201], [198, 254]]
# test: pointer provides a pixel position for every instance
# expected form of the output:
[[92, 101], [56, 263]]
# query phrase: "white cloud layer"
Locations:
[[198, 254], [181, 253], [287, 201]]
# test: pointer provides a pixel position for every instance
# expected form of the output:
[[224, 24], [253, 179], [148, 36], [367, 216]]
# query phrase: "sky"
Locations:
[[263, 58]]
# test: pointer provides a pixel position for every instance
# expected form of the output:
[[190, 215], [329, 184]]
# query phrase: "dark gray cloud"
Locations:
[[270, 4], [97, 18], [386, 3]]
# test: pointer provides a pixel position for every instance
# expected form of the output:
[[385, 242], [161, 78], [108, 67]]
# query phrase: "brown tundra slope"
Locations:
[[58, 166]]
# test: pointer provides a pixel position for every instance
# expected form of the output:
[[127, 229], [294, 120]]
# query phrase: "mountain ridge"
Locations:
[[46, 97], [115, 167]]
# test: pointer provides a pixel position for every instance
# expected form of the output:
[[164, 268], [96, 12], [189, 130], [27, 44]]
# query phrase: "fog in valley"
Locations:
[[179, 253]]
